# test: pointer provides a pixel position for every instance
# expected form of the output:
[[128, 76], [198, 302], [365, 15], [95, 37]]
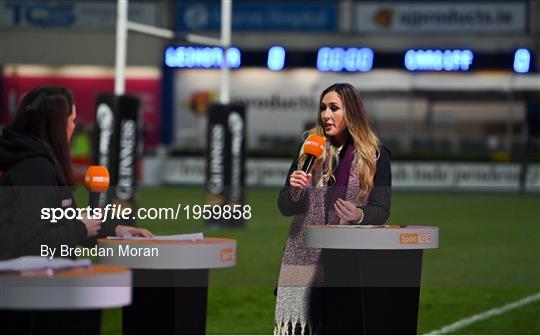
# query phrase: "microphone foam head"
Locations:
[[314, 145], [97, 179]]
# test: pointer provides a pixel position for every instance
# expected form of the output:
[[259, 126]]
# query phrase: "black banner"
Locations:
[[116, 135], [226, 161], [105, 144]]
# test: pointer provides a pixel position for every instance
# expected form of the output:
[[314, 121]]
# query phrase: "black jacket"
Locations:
[[377, 209], [28, 184]]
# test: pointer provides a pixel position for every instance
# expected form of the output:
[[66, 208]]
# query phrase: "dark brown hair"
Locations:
[[43, 113]]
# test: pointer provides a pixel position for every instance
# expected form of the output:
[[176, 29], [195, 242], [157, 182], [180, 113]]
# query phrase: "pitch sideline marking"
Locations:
[[485, 315]]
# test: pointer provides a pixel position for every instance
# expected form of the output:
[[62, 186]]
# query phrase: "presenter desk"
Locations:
[[371, 276], [170, 290], [59, 302]]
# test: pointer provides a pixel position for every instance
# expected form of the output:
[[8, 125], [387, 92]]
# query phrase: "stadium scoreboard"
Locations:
[[352, 59]]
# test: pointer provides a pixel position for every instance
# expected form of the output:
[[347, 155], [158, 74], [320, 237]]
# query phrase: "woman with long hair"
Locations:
[[349, 184], [36, 173]]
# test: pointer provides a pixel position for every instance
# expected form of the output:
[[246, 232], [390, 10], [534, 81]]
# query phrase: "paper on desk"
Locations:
[[35, 263], [188, 236], [362, 226]]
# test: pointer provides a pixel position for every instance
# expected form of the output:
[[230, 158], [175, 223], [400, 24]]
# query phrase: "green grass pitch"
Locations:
[[489, 256]]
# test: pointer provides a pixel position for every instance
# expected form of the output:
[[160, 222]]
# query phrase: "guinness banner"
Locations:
[[225, 163], [104, 139], [115, 146]]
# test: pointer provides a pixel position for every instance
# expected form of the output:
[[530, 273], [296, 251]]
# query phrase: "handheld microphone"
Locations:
[[313, 147], [96, 181]]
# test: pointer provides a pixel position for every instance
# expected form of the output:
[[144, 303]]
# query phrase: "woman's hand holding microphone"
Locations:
[[299, 180]]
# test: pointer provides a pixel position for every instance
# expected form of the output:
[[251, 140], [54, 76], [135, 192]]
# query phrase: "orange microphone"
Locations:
[[313, 147], [97, 181]]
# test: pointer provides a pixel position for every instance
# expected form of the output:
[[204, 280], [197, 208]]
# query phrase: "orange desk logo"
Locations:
[[414, 238], [227, 254]]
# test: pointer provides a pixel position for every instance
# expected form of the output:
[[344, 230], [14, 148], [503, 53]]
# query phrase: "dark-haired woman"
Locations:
[[36, 173], [349, 184]]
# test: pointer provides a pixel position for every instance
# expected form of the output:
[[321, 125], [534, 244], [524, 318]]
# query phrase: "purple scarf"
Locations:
[[342, 181]]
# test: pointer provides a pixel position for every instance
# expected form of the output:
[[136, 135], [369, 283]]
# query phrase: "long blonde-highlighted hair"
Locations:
[[366, 143]]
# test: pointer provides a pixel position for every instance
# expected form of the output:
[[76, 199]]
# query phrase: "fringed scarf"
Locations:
[[300, 269]]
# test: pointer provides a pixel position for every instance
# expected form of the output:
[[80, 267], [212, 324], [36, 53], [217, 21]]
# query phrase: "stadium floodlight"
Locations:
[[522, 60], [276, 58]]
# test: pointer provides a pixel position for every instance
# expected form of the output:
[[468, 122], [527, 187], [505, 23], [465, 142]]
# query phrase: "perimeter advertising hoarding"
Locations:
[[279, 104], [421, 176], [33, 14], [18, 80], [306, 16], [440, 17]]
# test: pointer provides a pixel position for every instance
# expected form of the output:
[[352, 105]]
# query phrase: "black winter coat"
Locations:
[[376, 211], [28, 184]]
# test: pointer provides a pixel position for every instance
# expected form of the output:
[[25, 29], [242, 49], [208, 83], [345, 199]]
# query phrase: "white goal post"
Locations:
[[123, 26]]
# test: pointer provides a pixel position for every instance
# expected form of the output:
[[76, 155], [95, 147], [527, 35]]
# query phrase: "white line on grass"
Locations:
[[485, 315]]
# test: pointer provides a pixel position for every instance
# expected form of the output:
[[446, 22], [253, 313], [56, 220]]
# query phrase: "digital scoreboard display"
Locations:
[[438, 60], [201, 57], [341, 59], [352, 59]]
